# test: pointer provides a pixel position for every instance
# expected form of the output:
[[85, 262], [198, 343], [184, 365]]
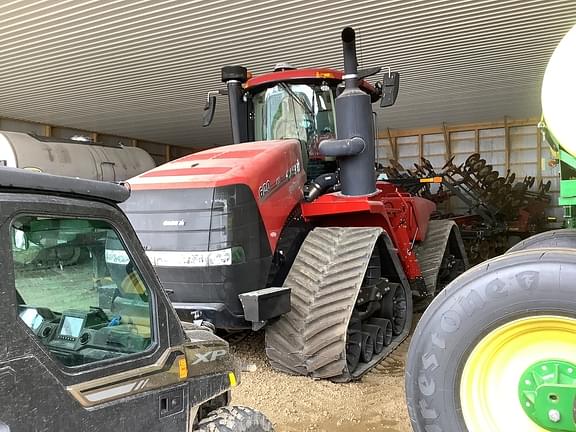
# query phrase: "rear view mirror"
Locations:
[[209, 110], [390, 86]]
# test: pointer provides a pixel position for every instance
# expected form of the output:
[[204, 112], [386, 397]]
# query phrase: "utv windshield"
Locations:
[[301, 111]]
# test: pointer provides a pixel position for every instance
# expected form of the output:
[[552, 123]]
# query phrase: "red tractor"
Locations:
[[289, 227]]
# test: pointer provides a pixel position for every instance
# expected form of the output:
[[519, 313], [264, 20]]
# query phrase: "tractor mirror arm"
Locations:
[[210, 107], [365, 73]]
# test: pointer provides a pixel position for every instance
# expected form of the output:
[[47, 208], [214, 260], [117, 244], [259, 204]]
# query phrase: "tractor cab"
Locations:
[[283, 104]]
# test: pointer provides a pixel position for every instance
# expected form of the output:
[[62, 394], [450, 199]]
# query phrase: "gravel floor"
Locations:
[[298, 404]]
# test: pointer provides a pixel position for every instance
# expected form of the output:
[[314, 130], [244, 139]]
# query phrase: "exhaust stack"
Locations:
[[234, 77], [354, 143]]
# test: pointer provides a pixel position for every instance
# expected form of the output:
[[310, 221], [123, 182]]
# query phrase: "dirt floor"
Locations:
[[298, 404]]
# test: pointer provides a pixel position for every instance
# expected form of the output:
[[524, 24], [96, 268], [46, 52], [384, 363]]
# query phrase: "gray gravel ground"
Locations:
[[298, 404]]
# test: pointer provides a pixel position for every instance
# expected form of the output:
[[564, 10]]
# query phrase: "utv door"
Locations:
[[81, 351]]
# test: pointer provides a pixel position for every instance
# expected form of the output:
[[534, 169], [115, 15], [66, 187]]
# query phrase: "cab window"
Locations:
[[300, 111], [78, 290]]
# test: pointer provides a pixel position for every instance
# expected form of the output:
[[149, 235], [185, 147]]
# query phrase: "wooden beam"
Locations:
[[507, 142], [393, 144], [167, 152], [477, 140], [447, 143], [458, 128], [47, 130], [420, 147]]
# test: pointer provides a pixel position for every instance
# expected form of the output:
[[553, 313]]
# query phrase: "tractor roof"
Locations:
[[268, 79], [21, 180]]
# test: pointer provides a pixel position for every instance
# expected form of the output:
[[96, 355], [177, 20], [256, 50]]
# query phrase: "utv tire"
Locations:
[[235, 419], [507, 291], [561, 238]]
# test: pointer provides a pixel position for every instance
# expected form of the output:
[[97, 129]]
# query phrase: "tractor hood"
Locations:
[[252, 164], [209, 200]]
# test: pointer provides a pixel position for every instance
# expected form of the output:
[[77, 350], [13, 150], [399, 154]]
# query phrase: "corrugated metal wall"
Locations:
[[514, 145], [141, 68]]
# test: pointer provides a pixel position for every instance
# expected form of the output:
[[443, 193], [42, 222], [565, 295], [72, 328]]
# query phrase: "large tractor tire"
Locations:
[[324, 334], [235, 419], [485, 341], [562, 238]]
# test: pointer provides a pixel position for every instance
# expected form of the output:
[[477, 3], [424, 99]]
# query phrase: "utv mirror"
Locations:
[[21, 242], [390, 85], [209, 109]]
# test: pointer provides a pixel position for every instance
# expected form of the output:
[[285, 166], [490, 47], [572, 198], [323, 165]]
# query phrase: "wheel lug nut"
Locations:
[[554, 415]]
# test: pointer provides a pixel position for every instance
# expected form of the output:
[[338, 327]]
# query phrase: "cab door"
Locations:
[[79, 351]]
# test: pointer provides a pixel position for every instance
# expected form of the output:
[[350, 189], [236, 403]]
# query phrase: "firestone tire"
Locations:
[[235, 419], [562, 238], [490, 296]]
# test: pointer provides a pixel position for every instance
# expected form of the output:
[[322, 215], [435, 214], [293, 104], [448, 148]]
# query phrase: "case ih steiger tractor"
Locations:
[[497, 350], [241, 238], [76, 355]]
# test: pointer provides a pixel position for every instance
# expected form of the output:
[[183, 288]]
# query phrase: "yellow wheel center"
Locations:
[[489, 383]]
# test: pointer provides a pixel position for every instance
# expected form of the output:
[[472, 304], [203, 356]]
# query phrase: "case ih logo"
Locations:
[[173, 223]]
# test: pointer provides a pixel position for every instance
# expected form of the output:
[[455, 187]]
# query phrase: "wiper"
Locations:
[[299, 101]]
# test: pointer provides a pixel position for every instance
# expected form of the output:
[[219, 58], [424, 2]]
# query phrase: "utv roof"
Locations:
[[21, 180]]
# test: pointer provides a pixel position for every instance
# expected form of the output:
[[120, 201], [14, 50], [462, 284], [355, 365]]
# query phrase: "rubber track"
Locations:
[[431, 251], [325, 279]]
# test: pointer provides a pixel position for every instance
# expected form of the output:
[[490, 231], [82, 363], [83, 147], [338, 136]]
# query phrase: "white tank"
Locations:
[[559, 93], [72, 158]]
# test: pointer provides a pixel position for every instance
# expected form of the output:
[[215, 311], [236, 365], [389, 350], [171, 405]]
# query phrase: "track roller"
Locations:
[[377, 334], [386, 327], [367, 347]]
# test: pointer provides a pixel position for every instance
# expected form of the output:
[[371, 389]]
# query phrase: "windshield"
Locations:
[[301, 111]]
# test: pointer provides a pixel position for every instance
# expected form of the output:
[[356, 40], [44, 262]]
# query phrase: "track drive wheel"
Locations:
[[561, 238], [337, 288], [235, 419], [487, 347]]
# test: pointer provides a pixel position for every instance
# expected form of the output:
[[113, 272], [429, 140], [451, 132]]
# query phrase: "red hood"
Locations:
[[271, 169], [221, 166]]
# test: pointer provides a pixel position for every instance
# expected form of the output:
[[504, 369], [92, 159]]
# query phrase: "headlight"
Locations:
[[221, 257], [114, 256]]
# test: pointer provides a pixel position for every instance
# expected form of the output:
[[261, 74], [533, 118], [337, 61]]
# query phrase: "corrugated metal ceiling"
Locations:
[[141, 68]]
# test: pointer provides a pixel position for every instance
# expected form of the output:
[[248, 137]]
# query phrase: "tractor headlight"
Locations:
[[223, 257]]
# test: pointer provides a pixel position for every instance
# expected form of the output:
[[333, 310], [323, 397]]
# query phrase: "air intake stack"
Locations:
[[354, 143]]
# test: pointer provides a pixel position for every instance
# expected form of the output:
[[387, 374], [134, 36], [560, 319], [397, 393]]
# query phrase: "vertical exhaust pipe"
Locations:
[[354, 144], [234, 77]]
